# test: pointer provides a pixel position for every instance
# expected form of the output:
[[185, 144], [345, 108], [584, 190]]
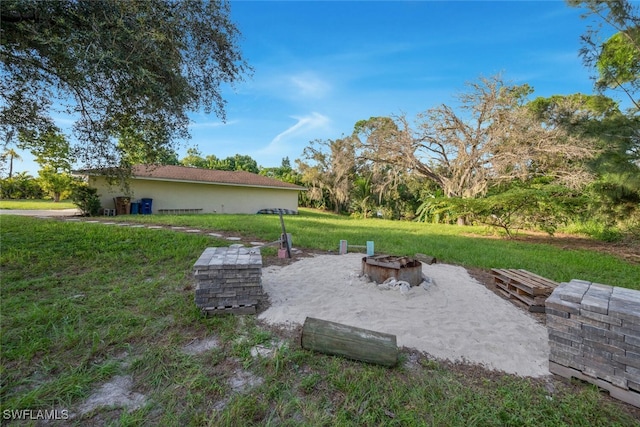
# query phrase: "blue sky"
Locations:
[[320, 66]]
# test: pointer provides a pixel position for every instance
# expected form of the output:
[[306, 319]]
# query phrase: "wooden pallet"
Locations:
[[526, 287], [628, 396]]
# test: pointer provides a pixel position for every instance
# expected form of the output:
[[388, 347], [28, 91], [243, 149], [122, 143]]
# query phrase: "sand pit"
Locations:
[[454, 317]]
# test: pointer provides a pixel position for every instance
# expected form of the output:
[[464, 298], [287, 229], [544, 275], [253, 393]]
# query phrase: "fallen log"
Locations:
[[350, 342]]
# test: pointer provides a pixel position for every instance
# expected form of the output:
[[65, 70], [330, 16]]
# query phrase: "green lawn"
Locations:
[[467, 246], [84, 303], [36, 204]]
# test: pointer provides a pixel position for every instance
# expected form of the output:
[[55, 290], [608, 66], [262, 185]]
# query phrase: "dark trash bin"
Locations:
[[135, 207], [122, 205], [145, 206]]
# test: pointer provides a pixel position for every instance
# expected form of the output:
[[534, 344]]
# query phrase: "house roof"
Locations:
[[191, 174]]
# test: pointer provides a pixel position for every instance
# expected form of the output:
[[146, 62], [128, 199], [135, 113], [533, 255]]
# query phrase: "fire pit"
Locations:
[[381, 267]]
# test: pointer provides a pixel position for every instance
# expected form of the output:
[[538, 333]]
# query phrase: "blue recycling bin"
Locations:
[[145, 206], [135, 207]]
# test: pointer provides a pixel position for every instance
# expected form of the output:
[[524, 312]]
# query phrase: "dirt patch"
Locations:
[[628, 249], [116, 392], [198, 346]]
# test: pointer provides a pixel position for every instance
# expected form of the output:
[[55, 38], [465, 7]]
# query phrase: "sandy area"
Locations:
[[454, 317]]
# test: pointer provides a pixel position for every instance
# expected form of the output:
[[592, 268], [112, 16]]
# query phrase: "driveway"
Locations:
[[40, 212]]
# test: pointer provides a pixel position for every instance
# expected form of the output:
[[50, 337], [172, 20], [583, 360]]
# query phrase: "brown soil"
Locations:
[[628, 249]]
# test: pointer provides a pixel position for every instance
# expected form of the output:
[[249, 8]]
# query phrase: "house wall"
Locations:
[[211, 198]]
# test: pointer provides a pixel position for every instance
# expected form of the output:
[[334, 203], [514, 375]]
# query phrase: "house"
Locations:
[[180, 189]]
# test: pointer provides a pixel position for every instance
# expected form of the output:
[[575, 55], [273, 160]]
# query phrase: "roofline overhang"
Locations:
[[229, 184]]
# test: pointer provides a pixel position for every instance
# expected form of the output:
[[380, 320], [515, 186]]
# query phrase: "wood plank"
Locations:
[[531, 278], [542, 280], [524, 280]]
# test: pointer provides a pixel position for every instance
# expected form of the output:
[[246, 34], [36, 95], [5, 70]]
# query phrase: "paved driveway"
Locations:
[[39, 212]]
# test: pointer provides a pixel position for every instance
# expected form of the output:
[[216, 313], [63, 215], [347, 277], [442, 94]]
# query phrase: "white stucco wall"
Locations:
[[211, 198]]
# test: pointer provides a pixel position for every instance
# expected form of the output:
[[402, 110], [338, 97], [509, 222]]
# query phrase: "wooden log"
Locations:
[[350, 342], [426, 259]]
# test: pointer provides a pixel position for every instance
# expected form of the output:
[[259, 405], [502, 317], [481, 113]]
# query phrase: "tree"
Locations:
[[20, 186], [616, 60], [115, 65], [52, 152], [55, 183], [536, 206], [494, 138], [238, 162], [12, 155], [135, 148], [51, 149], [330, 173], [616, 189], [194, 159], [242, 163]]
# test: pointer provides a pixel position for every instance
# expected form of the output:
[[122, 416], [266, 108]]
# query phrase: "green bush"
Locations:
[[86, 199], [542, 207]]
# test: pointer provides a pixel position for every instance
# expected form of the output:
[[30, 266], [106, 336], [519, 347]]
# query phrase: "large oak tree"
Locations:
[[490, 138], [114, 66]]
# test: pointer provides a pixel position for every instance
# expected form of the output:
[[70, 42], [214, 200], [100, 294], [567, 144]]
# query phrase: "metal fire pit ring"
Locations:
[[382, 267]]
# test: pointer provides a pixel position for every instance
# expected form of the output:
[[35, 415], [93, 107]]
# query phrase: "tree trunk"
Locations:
[[461, 220]]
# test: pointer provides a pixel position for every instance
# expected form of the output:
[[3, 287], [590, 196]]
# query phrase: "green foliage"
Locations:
[[284, 173], [136, 148], [12, 155], [616, 60], [51, 149], [614, 189], [86, 199], [163, 60], [21, 186], [543, 207], [238, 162], [57, 184], [619, 60]]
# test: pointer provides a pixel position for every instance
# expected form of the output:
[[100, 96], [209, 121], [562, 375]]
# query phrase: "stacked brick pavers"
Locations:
[[228, 280], [594, 335]]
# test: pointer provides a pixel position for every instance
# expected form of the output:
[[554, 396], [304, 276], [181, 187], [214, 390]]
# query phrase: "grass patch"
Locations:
[[82, 303], [36, 204], [466, 246]]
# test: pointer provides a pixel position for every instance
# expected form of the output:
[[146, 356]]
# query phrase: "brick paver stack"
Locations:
[[229, 280], [594, 335]]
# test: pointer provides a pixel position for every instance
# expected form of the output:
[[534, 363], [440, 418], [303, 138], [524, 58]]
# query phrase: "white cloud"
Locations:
[[293, 139], [309, 85], [209, 125], [303, 124]]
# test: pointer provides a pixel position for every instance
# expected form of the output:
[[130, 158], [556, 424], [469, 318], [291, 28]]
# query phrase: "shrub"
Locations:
[[86, 199], [542, 207]]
